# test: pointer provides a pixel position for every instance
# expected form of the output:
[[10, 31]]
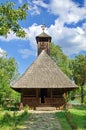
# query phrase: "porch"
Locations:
[[44, 97], [48, 102]]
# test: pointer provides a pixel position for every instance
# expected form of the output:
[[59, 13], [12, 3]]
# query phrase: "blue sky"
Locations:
[[65, 21]]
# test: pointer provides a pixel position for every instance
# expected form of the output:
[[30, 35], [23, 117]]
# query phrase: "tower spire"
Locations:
[[43, 27]]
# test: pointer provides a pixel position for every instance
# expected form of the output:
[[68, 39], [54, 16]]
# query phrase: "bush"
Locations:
[[6, 119], [12, 120]]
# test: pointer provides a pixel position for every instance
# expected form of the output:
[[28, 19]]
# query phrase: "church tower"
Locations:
[[43, 41]]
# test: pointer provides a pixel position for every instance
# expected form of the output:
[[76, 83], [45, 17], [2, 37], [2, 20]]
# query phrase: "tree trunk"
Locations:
[[82, 95]]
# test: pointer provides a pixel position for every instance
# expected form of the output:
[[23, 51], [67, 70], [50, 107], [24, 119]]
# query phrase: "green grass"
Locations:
[[79, 117], [62, 119], [75, 118], [12, 120]]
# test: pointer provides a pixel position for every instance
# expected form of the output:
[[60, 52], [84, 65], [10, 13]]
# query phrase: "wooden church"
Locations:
[[43, 84]]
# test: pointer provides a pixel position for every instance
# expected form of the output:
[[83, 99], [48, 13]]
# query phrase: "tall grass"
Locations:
[[12, 121]]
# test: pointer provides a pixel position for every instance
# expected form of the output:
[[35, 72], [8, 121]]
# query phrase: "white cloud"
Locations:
[[2, 53], [25, 53], [40, 3], [85, 3], [84, 27], [34, 10], [20, 1], [72, 40], [32, 31], [67, 10], [9, 37], [35, 6]]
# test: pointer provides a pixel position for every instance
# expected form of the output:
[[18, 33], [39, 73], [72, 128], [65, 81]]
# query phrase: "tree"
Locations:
[[79, 72], [7, 71], [9, 18], [60, 58]]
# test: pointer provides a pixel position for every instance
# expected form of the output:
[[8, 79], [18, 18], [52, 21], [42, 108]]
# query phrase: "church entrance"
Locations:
[[43, 93]]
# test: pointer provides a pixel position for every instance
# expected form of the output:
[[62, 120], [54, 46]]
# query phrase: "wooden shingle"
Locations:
[[44, 73]]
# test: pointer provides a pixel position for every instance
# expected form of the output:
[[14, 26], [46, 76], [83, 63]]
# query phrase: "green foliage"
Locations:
[[9, 18], [75, 69], [79, 69], [60, 58], [85, 94], [8, 67], [12, 120], [78, 66], [26, 108]]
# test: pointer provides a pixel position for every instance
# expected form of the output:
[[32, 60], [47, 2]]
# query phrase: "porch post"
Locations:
[[37, 93], [51, 93]]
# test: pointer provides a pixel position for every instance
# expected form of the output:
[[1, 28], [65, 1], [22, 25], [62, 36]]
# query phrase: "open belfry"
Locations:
[[43, 84]]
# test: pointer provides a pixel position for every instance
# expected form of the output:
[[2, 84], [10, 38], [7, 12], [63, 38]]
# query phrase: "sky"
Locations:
[[65, 21]]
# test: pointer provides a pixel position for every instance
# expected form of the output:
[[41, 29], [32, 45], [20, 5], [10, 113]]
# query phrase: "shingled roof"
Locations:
[[43, 73], [43, 34]]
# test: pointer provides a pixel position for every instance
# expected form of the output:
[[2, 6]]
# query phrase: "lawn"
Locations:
[[74, 118], [63, 121], [12, 120], [79, 117]]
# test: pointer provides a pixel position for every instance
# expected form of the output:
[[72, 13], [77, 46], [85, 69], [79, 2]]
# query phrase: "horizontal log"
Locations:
[[33, 101]]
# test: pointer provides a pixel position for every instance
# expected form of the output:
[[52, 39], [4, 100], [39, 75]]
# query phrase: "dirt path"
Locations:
[[42, 121]]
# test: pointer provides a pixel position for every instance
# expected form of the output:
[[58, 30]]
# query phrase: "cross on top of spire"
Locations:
[[43, 27]]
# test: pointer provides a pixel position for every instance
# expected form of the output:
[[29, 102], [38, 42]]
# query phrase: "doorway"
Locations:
[[43, 93]]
